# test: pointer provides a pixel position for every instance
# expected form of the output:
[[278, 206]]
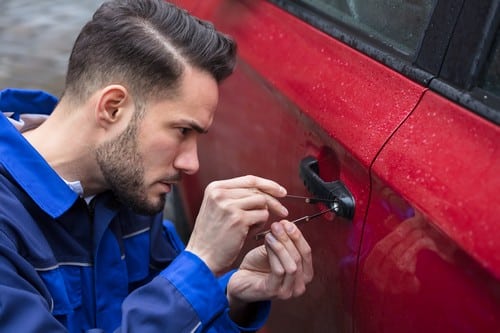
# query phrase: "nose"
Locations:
[[187, 158]]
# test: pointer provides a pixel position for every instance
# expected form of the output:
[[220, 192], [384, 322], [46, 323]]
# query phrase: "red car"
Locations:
[[391, 109]]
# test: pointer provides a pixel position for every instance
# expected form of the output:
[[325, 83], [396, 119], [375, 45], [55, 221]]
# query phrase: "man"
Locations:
[[83, 247]]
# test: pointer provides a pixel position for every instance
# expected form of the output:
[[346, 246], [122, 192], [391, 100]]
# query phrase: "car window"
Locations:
[[490, 78], [399, 24]]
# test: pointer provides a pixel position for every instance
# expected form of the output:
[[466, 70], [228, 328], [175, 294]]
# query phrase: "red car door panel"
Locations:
[[351, 96], [430, 258], [298, 92]]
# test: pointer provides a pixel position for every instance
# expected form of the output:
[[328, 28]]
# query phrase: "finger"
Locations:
[[277, 269], [262, 200], [276, 207], [264, 185], [233, 193], [254, 217], [302, 247], [280, 230], [288, 261], [245, 198], [254, 208]]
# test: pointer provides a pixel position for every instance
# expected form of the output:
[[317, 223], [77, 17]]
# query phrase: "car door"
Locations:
[[430, 259], [319, 88]]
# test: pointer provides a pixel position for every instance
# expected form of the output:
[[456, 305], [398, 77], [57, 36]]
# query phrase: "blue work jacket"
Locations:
[[66, 265]]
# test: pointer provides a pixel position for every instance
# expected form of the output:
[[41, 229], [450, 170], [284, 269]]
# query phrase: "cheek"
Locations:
[[158, 150]]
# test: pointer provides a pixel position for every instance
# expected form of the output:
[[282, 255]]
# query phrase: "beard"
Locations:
[[123, 170]]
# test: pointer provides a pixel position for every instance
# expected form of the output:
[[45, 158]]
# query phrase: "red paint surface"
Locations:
[[431, 249], [414, 278], [337, 87], [429, 255], [446, 161]]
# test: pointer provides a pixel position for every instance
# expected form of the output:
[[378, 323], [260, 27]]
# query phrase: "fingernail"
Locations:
[[290, 228], [278, 229], [284, 211], [282, 190], [270, 238]]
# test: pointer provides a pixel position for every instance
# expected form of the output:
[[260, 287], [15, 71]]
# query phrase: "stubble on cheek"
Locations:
[[123, 170]]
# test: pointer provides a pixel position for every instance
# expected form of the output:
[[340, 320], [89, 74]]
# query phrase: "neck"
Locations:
[[66, 141]]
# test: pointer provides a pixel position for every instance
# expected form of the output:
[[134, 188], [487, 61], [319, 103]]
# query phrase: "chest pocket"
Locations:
[[66, 284]]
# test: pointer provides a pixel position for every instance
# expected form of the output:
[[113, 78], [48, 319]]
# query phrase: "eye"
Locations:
[[185, 130]]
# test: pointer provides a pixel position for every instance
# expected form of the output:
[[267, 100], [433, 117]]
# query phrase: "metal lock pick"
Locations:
[[309, 200]]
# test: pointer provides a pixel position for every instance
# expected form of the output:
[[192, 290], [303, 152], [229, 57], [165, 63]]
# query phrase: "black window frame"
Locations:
[[466, 57]]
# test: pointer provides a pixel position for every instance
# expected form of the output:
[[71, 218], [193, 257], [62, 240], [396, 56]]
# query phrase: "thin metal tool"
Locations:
[[303, 219], [333, 203]]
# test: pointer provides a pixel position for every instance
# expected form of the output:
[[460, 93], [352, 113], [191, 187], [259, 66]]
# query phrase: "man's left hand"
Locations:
[[279, 269]]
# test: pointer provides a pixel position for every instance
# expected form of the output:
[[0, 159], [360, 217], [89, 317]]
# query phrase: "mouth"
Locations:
[[167, 186], [168, 182]]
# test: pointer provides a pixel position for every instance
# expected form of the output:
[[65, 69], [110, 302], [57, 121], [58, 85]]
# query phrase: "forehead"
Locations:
[[195, 100]]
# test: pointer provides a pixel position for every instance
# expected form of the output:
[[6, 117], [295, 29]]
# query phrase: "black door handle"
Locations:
[[343, 201]]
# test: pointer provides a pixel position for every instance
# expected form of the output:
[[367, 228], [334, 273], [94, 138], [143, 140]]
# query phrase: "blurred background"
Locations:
[[36, 37]]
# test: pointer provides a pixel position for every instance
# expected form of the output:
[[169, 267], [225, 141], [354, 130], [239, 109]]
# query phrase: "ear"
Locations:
[[113, 106]]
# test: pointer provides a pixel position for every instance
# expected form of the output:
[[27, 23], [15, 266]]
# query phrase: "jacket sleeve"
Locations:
[[185, 297], [25, 305]]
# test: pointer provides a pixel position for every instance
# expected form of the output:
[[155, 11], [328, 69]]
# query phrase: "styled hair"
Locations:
[[145, 45]]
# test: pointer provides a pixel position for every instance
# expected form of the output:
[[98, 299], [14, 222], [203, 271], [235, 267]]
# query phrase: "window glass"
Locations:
[[490, 80], [399, 24]]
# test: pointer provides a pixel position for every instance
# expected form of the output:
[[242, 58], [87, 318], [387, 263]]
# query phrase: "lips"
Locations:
[[169, 181], [166, 185]]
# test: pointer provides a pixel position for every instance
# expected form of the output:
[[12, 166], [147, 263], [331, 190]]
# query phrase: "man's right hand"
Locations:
[[229, 209]]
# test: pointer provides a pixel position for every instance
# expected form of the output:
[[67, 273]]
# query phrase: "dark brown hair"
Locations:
[[145, 46]]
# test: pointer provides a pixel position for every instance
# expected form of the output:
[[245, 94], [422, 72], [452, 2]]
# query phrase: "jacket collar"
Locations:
[[24, 164]]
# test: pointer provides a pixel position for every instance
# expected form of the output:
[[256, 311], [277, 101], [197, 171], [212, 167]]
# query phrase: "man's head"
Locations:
[[160, 65], [144, 45]]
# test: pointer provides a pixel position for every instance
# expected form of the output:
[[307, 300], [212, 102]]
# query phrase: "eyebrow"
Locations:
[[197, 127]]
